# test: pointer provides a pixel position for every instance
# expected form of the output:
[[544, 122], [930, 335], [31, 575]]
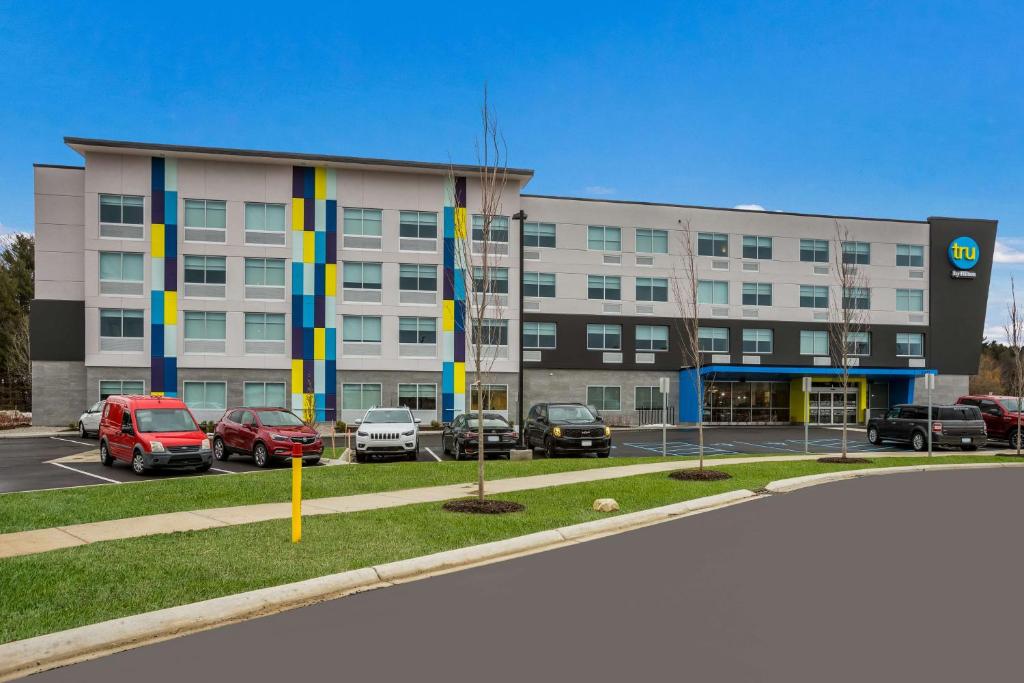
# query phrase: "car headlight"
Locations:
[[556, 431], [409, 433], [607, 431], [362, 434], [279, 437], [156, 447], [206, 444]]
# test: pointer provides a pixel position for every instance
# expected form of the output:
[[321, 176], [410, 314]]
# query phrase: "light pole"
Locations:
[[521, 217]]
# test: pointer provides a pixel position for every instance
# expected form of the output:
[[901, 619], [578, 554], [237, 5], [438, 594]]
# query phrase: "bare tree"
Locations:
[[1014, 329]]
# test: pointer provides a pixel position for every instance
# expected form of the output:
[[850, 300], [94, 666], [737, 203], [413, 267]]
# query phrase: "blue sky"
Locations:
[[861, 108]]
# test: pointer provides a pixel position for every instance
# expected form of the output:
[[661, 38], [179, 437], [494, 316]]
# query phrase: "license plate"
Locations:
[[494, 438], [966, 440], [586, 442]]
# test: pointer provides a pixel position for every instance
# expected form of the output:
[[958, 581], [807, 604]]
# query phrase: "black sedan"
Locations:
[[567, 428], [462, 437]]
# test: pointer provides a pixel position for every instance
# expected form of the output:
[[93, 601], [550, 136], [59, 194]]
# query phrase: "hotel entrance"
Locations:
[[827, 405]]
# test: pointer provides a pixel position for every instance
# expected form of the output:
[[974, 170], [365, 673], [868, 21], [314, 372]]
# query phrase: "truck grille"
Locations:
[[385, 436], [577, 433], [183, 449], [303, 439]]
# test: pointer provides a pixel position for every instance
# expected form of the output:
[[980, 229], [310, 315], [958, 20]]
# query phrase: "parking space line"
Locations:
[[768, 445], [78, 443], [217, 469], [88, 474], [427, 449]]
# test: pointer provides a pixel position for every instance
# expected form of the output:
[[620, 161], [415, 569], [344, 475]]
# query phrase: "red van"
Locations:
[[152, 432]]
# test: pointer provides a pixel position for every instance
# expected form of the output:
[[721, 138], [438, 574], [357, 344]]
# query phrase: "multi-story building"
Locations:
[[331, 283]]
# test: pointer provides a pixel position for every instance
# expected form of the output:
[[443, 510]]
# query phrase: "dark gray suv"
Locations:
[[952, 426]]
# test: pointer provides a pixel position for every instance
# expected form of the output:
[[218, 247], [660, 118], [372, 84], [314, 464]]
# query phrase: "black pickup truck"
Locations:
[[952, 426]]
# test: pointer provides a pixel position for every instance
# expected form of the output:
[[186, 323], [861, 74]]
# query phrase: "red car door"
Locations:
[[231, 429], [997, 422], [247, 431]]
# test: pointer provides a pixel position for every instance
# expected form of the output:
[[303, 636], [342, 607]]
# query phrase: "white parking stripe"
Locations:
[[432, 453], [88, 474], [217, 469], [80, 443]]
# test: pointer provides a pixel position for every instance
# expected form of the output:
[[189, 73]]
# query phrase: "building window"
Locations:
[[712, 244], [713, 339], [121, 387], [539, 235], [418, 224], [498, 278], [715, 292], [210, 214], [492, 332], [205, 270], [814, 251], [206, 395], [417, 278], [358, 275], [858, 253], [604, 398], [650, 241], [117, 266], [360, 396], [205, 325], [858, 343], [813, 343], [539, 284], [608, 287], [499, 228], [757, 341], [417, 330], [418, 396], [910, 344], [648, 398], [651, 289], [264, 272], [757, 247], [604, 238], [264, 217], [910, 255], [604, 337], [123, 323], [856, 298], [757, 294], [910, 300], [495, 397], [813, 296], [362, 222], [123, 209], [539, 335], [361, 329], [265, 394], [652, 338], [264, 327]]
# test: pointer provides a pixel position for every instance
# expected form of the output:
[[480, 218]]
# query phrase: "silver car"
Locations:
[[89, 421], [387, 431]]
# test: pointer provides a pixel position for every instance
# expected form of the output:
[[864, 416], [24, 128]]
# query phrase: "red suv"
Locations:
[[152, 432], [1001, 413], [265, 433]]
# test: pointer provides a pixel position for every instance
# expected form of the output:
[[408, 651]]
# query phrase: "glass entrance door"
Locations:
[[828, 403]]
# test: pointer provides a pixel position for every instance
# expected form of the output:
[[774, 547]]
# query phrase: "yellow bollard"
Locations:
[[296, 492]]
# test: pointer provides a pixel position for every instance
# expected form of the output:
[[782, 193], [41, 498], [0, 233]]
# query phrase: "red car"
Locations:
[[265, 434], [152, 432], [1001, 413]]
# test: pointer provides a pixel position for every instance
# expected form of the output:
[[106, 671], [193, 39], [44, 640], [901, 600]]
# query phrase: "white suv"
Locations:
[[387, 431]]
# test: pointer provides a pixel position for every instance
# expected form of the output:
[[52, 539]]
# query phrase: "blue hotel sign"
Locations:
[[963, 253]]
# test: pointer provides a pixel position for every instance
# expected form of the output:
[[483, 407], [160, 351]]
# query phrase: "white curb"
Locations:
[[795, 483]]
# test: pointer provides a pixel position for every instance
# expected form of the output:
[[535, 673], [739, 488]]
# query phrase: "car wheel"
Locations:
[[604, 454], [106, 458], [311, 462], [412, 457], [918, 442], [458, 451], [873, 436], [220, 451], [549, 447], [259, 455], [139, 463], [444, 447], [81, 430], [360, 458], [205, 467], [1014, 437]]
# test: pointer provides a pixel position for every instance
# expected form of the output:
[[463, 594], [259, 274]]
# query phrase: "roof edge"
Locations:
[[64, 166]]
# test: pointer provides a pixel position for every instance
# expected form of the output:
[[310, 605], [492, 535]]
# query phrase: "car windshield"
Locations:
[[279, 418], [97, 407], [1010, 404], [489, 421], [570, 414], [165, 420], [387, 416]]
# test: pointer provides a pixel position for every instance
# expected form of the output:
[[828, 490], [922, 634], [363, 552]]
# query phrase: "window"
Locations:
[[205, 213], [499, 228], [124, 209], [651, 289], [362, 222], [604, 238], [604, 337], [813, 343], [360, 396], [604, 398], [420, 224], [539, 235], [652, 338], [117, 266], [206, 395], [495, 397], [649, 241], [910, 300], [757, 247], [648, 398], [858, 343], [498, 278], [713, 339], [357, 275], [361, 329], [121, 387], [910, 255], [117, 322], [910, 344], [417, 330], [814, 251], [264, 217], [264, 326], [492, 332], [712, 244], [757, 294], [417, 396], [539, 335], [539, 284], [813, 296], [264, 272], [205, 270], [715, 292], [757, 341], [856, 298], [265, 395], [210, 325], [857, 252], [607, 287], [419, 278]]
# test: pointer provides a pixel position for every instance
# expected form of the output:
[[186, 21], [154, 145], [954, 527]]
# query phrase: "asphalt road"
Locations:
[[911, 577]]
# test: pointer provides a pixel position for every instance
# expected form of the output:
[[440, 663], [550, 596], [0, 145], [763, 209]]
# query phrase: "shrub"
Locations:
[[340, 426], [434, 424]]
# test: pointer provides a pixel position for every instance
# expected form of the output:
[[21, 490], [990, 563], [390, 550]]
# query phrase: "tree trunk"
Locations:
[[846, 392], [480, 438]]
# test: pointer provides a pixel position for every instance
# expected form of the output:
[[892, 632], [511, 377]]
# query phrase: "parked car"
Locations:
[[387, 431], [1001, 415], [956, 426], [152, 432], [567, 428], [461, 437], [266, 434], [89, 421]]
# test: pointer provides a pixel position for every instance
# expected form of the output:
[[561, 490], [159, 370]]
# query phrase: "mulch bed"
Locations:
[[700, 475], [483, 507], [835, 460]]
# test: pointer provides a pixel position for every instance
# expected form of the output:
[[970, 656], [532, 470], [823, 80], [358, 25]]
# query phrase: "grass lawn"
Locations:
[[67, 588]]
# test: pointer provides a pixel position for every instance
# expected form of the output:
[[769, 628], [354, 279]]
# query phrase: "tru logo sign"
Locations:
[[963, 254]]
